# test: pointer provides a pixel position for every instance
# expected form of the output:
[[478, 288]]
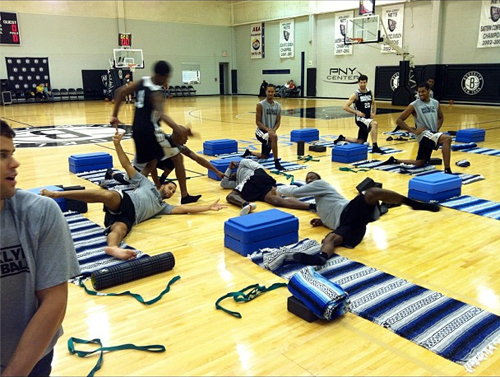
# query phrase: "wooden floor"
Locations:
[[451, 252]]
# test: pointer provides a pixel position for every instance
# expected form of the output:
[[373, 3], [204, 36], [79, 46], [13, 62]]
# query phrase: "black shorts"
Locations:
[[166, 164], [146, 146], [353, 220], [126, 215], [363, 131], [266, 146], [257, 187], [425, 148]]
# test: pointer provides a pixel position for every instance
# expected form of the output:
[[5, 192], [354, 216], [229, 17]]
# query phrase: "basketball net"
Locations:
[[132, 67]]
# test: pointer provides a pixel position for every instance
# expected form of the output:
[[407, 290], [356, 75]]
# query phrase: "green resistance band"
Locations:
[[71, 348], [354, 170], [288, 176], [240, 296], [307, 158], [134, 295]]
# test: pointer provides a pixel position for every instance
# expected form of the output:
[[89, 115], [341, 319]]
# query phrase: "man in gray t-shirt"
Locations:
[[268, 120], [428, 121], [124, 209], [347, 219], [37, 258]]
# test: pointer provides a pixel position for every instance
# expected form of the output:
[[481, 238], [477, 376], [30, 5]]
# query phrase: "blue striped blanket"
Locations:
[[412, 170], [457, 331], [476, 206], [90, 241], [387, 150]]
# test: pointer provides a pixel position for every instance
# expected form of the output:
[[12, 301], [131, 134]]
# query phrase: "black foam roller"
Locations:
[[133, 270]]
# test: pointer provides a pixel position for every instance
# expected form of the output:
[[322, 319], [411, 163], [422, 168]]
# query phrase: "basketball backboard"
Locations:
[[362, 30], [123, 58]]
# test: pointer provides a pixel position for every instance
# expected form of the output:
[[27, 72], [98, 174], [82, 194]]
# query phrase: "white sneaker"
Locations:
[[247, 209]]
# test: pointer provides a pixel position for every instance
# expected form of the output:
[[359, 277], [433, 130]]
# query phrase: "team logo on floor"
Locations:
[[61, 136], [472, 83]]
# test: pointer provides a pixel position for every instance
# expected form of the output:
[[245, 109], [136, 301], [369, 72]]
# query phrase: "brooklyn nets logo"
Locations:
[[394, 81], [472, 83], [61, 136]]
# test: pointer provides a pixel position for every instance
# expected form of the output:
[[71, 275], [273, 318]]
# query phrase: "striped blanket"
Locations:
[[459, 332], [412, 170], [476, 206], [90, 241], [387, 150]]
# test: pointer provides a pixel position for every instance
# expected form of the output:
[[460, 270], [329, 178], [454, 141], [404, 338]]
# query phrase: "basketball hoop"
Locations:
[[132, 67]]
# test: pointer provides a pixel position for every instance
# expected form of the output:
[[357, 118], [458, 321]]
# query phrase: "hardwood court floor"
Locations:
[[451, 252]]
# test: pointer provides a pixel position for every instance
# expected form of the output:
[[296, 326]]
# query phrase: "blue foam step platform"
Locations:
[[351, 152], [61, 202], [221, 146], [222, 165], [469, 135], [436, 186], [79, 163], [304, 134], [271, 228]]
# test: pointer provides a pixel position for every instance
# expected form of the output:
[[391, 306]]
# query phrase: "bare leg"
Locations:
[[374, 131], [445, 140], [327, 249], [110, 199], [292, 203], [115, 237], [180, 173], [274, 145], [149, 168], [374, 195], [235, 198]]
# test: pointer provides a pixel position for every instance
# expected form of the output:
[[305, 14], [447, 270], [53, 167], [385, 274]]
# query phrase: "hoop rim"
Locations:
[[355, 40]]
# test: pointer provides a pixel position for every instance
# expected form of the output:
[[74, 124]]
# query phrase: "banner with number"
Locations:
[[257, 50], [489, 24], [392, 19], [287, 44], [340, 28]]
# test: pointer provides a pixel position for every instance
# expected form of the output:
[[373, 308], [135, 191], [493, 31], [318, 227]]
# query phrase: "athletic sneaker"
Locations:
[[340, 138], [247, 209], [390, 161], [377, 150], [109, 174], [278, 166], [246, 154]]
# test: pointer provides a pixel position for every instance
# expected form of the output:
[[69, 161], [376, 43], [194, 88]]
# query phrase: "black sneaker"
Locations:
[[278, 166], [109, 174], [340, 138], [378, 150], [390, 161], [246, 154]]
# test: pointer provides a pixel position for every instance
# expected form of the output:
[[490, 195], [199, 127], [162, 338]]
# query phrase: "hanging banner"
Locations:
[[392, 19], [489, 24], [287, 44], [340, 27], [257, 50]]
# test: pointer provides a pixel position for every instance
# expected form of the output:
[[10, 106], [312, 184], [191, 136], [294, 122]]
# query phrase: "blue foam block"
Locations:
[[438, 196], [304, 134], [435, 183], [79, 163], [222, 164], [221, 146], [271, 228], [60, 201], [351, 152], [468, 135]]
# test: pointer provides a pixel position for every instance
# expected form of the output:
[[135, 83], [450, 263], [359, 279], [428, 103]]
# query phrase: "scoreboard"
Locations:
[[125, 40], [9, 29]]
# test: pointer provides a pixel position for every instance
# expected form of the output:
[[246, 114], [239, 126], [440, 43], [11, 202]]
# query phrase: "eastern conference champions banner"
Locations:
[[340, 28], [489, 24], [392, 18], [287, 39], [257, 41]]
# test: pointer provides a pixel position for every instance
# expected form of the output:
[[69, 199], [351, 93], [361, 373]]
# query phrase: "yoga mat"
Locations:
[[457, 331], [90, 241], [476, 206], [412, 170]]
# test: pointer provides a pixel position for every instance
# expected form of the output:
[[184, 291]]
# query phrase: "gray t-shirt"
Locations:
[[270, 113], [329, 203], [426, 115], [246, 169], [37, 253], [147, 199]]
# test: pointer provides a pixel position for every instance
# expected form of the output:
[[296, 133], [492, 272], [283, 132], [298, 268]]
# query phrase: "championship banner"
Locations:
[[287, 43], [392, 18], [340, 28], [489, 24], [257, 50]]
